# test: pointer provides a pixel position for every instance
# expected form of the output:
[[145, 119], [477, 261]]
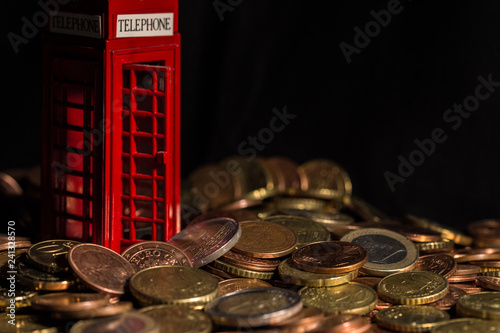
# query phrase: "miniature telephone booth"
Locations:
[[111, 122]]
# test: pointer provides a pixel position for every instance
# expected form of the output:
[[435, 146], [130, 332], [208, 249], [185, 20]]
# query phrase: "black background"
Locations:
[[241, 59]]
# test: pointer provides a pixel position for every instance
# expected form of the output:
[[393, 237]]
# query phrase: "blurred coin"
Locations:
[[154, 253], [449, 300], [236, 284], [21, 298], [411, 318], [50, 255], [307, 230], [207, 240], [179, 319], [467, 325], [415, 287], [212, 183], [132, 322], [100, 268], [330, 257], [348, 298], [254, 307], [68, 302], [107, 310], [451, 234], [284, 172], [307, 320], [26, 323], [261, 239], [348, 323], [388, 251], [15, 245], [323, 178], [36, 279], [177, 285], [485, 305]]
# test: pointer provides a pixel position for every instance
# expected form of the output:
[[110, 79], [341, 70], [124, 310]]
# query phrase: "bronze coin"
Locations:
[[154, 253], [307, 320], [69, 302], [323, 178], [485, 229], [469, 287], [207, 240], [486, 263], [261, 239], [439, 263], [285, 173], [449, 300], [100, 268], [488, 282], [330, 257], [247, 262], [467, 269]]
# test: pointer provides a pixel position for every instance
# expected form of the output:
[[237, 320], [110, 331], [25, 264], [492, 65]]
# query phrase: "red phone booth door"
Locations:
[[145, 154]]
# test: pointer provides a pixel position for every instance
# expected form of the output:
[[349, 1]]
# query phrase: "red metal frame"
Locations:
[[99, 123]]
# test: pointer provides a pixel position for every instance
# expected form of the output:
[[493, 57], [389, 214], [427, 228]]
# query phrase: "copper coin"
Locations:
[[207, 179], [15, 245], [441, 264], [461, 258], [488, 282], [486, 263], [487, 229], [247, 262], [261, 239], [449, 300], [340, 323], [469, 288], [100, 268], [207, 240], [154, 253], [307, 320], [330, 257], [285, 173], [467, 269], [68, 302]]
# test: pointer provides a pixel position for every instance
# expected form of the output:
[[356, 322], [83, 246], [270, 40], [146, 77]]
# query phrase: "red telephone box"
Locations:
[[111, 122]]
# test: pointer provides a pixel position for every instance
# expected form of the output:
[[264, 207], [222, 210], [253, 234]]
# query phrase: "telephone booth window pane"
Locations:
[[143, 137]]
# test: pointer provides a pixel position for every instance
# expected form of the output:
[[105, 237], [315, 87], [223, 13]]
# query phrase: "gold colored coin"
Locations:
[[242, 272], [290, 274], [411, 318], [129, 322], [446, 232], [485, 305], [254, 307], [388, 252], [22, 298], [173, 285], [325, 179], [235, 284], [179, 319], [442, 245], [26, 323], [50, 255], [307, 230], [261, 239], [471, 325], [412, 288], [348, 298]]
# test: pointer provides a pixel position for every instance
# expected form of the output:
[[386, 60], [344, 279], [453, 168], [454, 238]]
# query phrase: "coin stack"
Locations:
[[281, 248]]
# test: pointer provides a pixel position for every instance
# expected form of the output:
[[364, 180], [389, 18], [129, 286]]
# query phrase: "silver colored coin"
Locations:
[[207, 240], [254, 307], [388, 251]]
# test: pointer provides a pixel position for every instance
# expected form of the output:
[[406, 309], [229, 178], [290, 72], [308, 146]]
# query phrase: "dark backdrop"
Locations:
[[245, 61]]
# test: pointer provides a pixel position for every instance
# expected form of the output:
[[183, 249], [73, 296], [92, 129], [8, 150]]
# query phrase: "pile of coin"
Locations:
[[276, 256]]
